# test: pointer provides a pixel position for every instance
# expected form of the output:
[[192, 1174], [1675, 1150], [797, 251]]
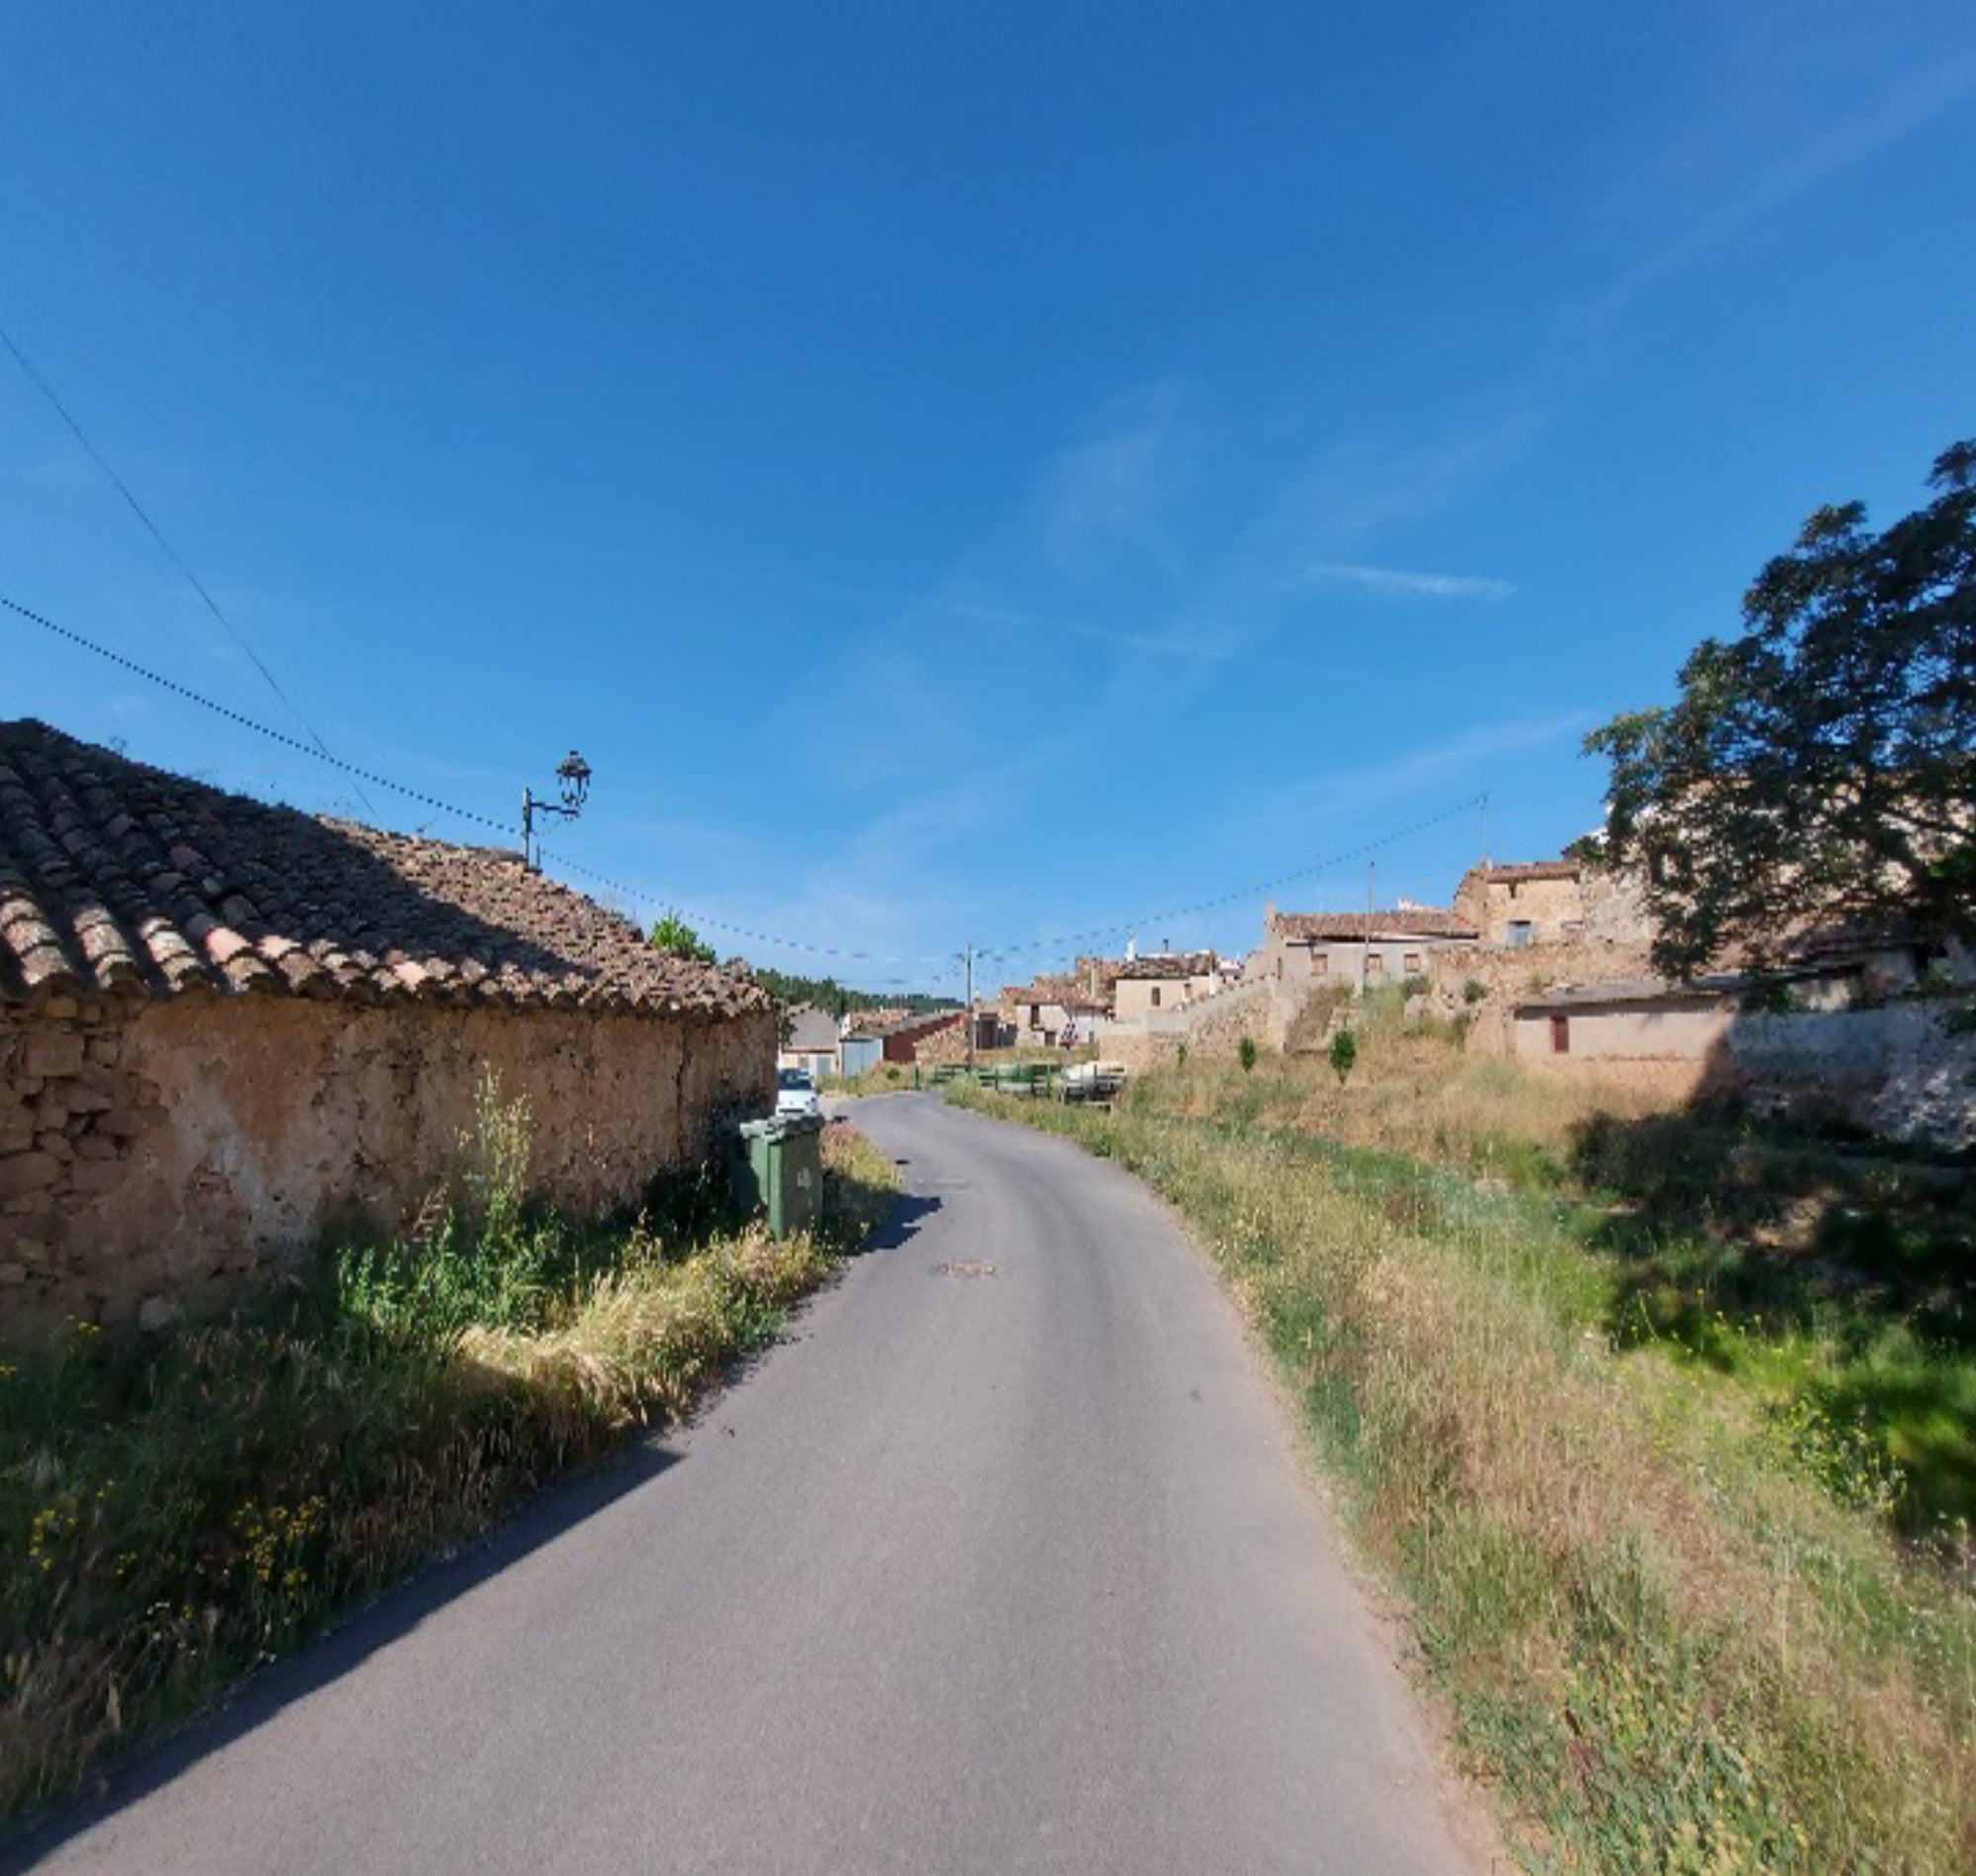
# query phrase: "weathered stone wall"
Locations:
[[156, 1153], [1899, 1070], [1594, 904], [1505, 976]]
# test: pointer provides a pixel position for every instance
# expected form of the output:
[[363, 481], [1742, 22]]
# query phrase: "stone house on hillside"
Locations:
[[1323, 948], [1551, 901], [1040, 1012], [225, 1028], [1162, 981]]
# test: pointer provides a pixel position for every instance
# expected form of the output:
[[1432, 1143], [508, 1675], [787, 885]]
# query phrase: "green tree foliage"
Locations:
[[676, 938], [826, 992], [1821, 766], [1343, 1055]]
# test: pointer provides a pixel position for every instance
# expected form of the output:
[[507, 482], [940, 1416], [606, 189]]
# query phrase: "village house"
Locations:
[[1551, 901], [809, 1041], [1345, 947], [874, 1037], [1041, 1013], [226, 1027], [1846, 1023], [1163, 981]]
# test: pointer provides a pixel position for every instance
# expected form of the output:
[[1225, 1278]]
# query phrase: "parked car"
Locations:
[[796, 1094]]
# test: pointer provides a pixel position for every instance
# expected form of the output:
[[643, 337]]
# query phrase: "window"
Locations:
[[1519, 935], [1413, 963], [1320, 963], [1375, 964], [1560, 1035], [1156, 996]]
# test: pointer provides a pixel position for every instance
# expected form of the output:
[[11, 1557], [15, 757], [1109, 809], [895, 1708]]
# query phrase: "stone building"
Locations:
[[1163, 980], [1339, 948], [226, 1029], [1551, 901]]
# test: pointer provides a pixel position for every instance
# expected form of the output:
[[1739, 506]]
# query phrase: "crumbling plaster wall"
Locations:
[[1905, 1070], [156, 1153]]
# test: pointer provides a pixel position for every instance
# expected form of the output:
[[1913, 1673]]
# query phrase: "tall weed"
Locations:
[[174, 1509], [1663, 1633]]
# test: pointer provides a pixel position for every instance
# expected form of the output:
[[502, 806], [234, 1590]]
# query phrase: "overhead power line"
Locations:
[[1064, 938], [698, 919], [420, 795], [171, 553], [316, 751], [650, 895]]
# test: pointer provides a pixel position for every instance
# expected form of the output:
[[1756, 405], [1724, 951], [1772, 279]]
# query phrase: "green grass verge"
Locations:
[[1668, 1627], [176, 1508]]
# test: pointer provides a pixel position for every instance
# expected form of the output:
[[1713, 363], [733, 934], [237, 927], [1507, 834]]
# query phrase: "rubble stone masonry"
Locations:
[[155, 1153]]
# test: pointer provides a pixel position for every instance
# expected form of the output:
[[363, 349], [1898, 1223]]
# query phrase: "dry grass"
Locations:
[[174, 1509], [1664, 1635]]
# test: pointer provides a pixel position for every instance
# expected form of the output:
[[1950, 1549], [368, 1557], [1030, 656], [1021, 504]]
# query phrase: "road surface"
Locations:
[[982, 1570]]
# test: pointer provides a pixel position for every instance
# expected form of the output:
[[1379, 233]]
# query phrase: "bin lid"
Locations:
[[780, 1126]]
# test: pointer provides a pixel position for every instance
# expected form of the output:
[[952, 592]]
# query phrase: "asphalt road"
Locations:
[[998, 1572]]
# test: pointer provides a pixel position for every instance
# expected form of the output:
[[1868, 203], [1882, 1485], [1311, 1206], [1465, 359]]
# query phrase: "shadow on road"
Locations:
[[544, 1518], [557, 1508], [903, 1223]]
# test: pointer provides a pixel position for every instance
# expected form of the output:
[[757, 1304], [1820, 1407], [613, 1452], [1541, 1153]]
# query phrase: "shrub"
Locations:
[[676, 938], [1474, 990], [1246, 1051], [1343, 1055]]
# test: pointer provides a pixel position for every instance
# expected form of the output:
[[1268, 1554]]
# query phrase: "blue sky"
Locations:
[[959, 473]]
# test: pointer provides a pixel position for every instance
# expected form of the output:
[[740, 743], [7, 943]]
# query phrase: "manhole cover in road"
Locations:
[[966, 1266]]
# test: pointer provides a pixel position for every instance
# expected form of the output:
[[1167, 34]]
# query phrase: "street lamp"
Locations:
[[573, 779]]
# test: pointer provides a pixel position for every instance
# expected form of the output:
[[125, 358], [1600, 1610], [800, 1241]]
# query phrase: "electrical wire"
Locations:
[[423, 798], [1064, 939], [171, 554], [651, 896], [247, 722]]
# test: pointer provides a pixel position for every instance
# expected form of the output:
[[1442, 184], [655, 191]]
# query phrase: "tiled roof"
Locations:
[[1167, 964], [1357, 927], [878, 1023], [875, 1021], [1515, 876], [115, 876], [1637, 990]]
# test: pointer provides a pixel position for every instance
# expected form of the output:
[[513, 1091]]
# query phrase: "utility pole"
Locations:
[[1366, 950], [968, 955]]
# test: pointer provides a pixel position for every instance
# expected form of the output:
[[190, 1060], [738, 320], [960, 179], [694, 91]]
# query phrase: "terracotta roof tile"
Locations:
[[1356, 927], [116, 876], [1515, 874], [1162, 965]]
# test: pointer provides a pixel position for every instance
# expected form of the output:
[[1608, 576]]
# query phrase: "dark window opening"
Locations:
[[1560, 1035]]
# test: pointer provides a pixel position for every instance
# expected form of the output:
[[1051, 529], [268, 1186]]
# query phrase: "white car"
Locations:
[[796, 1094]]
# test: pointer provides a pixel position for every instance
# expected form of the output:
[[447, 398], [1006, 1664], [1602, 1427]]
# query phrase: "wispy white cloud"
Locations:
[[1118, 486], [1458, 759], [1403, 585]]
